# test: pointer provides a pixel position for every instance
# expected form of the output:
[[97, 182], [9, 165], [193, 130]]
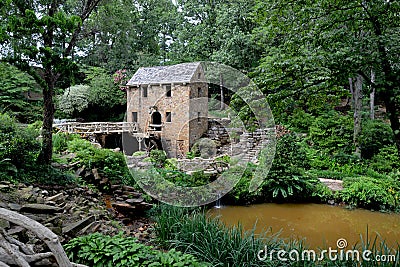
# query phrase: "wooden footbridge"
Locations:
[[98, 127]]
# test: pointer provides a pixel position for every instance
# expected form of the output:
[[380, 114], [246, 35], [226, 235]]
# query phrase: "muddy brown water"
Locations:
[[319, 225]]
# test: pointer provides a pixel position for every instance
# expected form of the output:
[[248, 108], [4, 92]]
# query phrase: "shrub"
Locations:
[[204, 148], [371, 193], [286, 177], [240, 193], [386, 161], [300, 121], [322, 193], [158, 157], [17, 144], [99, 250], [60, 141], [375, 135], [111, 163], [333, 133]]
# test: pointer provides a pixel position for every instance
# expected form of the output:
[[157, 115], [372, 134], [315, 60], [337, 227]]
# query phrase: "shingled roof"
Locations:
[[181, 73]]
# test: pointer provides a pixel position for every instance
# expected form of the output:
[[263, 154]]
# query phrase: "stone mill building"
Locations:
[[169, 105]]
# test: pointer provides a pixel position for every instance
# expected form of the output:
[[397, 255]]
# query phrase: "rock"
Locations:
[[40, 208], [4, 187], [134, 200], [4, 224], [91, 228], [123, 207], [79, 171], [74, 228], [128, 188], [14, 206], [56, 198], [56, 230], [40, 200], [16, 230], [96, 175], [55, 220]]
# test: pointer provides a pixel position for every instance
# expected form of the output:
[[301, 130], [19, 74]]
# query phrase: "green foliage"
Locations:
[[286, 177], [215, 36], [99, 250], [17, 144], [204, 148], [180, 178], [139, 153], [158, 157], [386, 161], [111, 164], [19, 148], [240, 193], [311, 48], [375, 135], [208, 239], [15, 87], [322, 193], [300, 121], [60, 141], [332, 133], [371, 193]]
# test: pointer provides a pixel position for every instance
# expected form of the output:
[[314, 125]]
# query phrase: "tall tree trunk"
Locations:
[[48, 117], [391, 81], [372, 96], [46, 152], [221, 85], [357, 106]]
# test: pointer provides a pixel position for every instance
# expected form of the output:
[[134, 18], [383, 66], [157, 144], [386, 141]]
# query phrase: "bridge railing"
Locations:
[[97, 127]]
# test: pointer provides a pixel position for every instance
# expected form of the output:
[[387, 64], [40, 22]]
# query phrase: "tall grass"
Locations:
[[191, 231]]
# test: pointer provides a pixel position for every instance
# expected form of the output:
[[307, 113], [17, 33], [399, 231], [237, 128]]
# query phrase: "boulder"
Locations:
[[40, 209]]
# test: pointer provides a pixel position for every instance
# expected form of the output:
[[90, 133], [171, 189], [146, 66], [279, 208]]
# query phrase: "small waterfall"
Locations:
[[218, 202]]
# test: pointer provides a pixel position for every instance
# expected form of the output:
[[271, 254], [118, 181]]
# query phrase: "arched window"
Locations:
[[156, 121]]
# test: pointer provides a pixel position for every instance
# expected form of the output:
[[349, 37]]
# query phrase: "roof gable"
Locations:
[[180, 73]]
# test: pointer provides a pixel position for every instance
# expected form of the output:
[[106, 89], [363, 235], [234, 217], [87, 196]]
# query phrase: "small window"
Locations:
[[199, 92], [199, 76], [168, 90], [198, 117], [144, 91], [168, 116], [134, 117]]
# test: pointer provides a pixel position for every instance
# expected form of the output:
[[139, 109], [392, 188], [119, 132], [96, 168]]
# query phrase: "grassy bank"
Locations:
[[191, 231]]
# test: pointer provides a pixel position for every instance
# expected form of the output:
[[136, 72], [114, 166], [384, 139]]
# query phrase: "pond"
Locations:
[[320, 225]]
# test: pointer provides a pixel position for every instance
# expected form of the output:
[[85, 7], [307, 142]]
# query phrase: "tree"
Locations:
[[15, 88], [217, 30], [127, 34], [74, 100], [318, 45], [99, 99], [43, 34]]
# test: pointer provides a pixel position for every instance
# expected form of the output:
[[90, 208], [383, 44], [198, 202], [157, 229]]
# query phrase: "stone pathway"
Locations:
[[334, 185]]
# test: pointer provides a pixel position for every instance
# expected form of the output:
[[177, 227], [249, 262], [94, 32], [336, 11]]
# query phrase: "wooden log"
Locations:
[[41, 232]]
